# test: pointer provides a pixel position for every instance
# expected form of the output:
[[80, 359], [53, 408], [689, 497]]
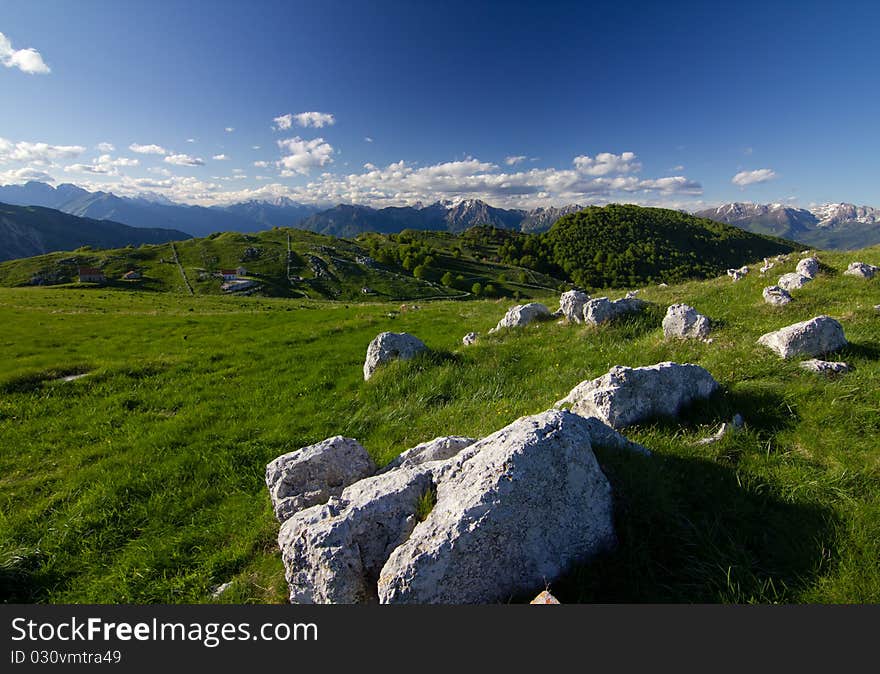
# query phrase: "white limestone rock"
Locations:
[[571, 304], [685, 322], [793, 281], [628, 395], [862, 270], [469, 338], [601, 309], [389, 346], [814, 337], [513, 512], [521, 315], [808, 267], [825, 366], [311, 475], [438, 449], [333, 553], [776, 296]]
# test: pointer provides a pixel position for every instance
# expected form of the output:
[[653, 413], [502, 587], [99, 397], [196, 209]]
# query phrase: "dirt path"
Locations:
[[180, 267]]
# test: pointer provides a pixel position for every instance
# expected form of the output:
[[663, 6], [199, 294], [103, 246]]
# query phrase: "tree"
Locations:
[[489, 290], [419, 271], [447, 279], [477, 289]]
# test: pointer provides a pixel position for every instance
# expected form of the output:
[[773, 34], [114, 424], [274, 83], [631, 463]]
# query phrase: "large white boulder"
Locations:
[[628, 395], [793, 281], [313, 474], [685, 322], [521, 315], [571, 305], [513, 512], [601, 309], [861, 269], [814, 337], [776, 296], [808, 267], [333, 553], [389, 346], [438, 449]]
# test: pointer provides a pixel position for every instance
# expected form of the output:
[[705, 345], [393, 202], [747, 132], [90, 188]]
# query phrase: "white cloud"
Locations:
[[190, 140], [367, 139], [22, 175], [317, 120], [160, 171], [107, 160], [26, 60], [304, 155], [105, 147], [148, 149], [105, 164], [606, 162], [677, 169], [230, 129], [255, 147], [748, 151], [36, 152], [184, 160], [261, 164], [744, 178], [220, 157], [514, 159]]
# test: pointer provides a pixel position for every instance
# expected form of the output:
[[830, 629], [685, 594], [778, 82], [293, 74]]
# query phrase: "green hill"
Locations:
[[143, 481], [597, 247], [32, 230]]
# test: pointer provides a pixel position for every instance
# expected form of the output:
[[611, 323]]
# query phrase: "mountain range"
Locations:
[[830, 226], [26, 231]]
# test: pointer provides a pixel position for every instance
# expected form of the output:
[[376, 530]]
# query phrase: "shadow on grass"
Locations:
[[690, 530], [864, 350], [24, 580], [28, 383], [763, 411]]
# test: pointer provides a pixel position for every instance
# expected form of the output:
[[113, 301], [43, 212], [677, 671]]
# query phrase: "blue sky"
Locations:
[[521, 104]]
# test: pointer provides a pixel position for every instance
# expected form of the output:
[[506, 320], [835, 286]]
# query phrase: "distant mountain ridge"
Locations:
[[26, 231], [342, 220], [839, 226]]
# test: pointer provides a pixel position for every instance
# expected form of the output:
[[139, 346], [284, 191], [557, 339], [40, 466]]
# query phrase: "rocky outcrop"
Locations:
[[792, 281], [862, 270], [601, 310], [437, 449], [334, 553], [513, 512], [814, 337], [389, 346], [808, 267], [311, 475], [571, 305], [684, 322], [521, 315], [629, 395], [825, 366], [737, 274], [776, 296], [469, 338]]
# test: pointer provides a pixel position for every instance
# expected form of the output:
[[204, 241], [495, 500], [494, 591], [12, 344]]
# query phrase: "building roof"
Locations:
[[90, 271]]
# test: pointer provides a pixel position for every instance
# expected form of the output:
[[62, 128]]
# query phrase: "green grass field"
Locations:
[[143, 481]]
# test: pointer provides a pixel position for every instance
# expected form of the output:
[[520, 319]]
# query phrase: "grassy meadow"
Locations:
[[143, 480]]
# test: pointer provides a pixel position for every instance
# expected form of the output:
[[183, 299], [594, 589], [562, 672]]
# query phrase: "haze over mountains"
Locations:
[[834, 226]]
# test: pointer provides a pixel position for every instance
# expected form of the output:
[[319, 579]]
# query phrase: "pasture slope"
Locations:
[[143, 480]]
